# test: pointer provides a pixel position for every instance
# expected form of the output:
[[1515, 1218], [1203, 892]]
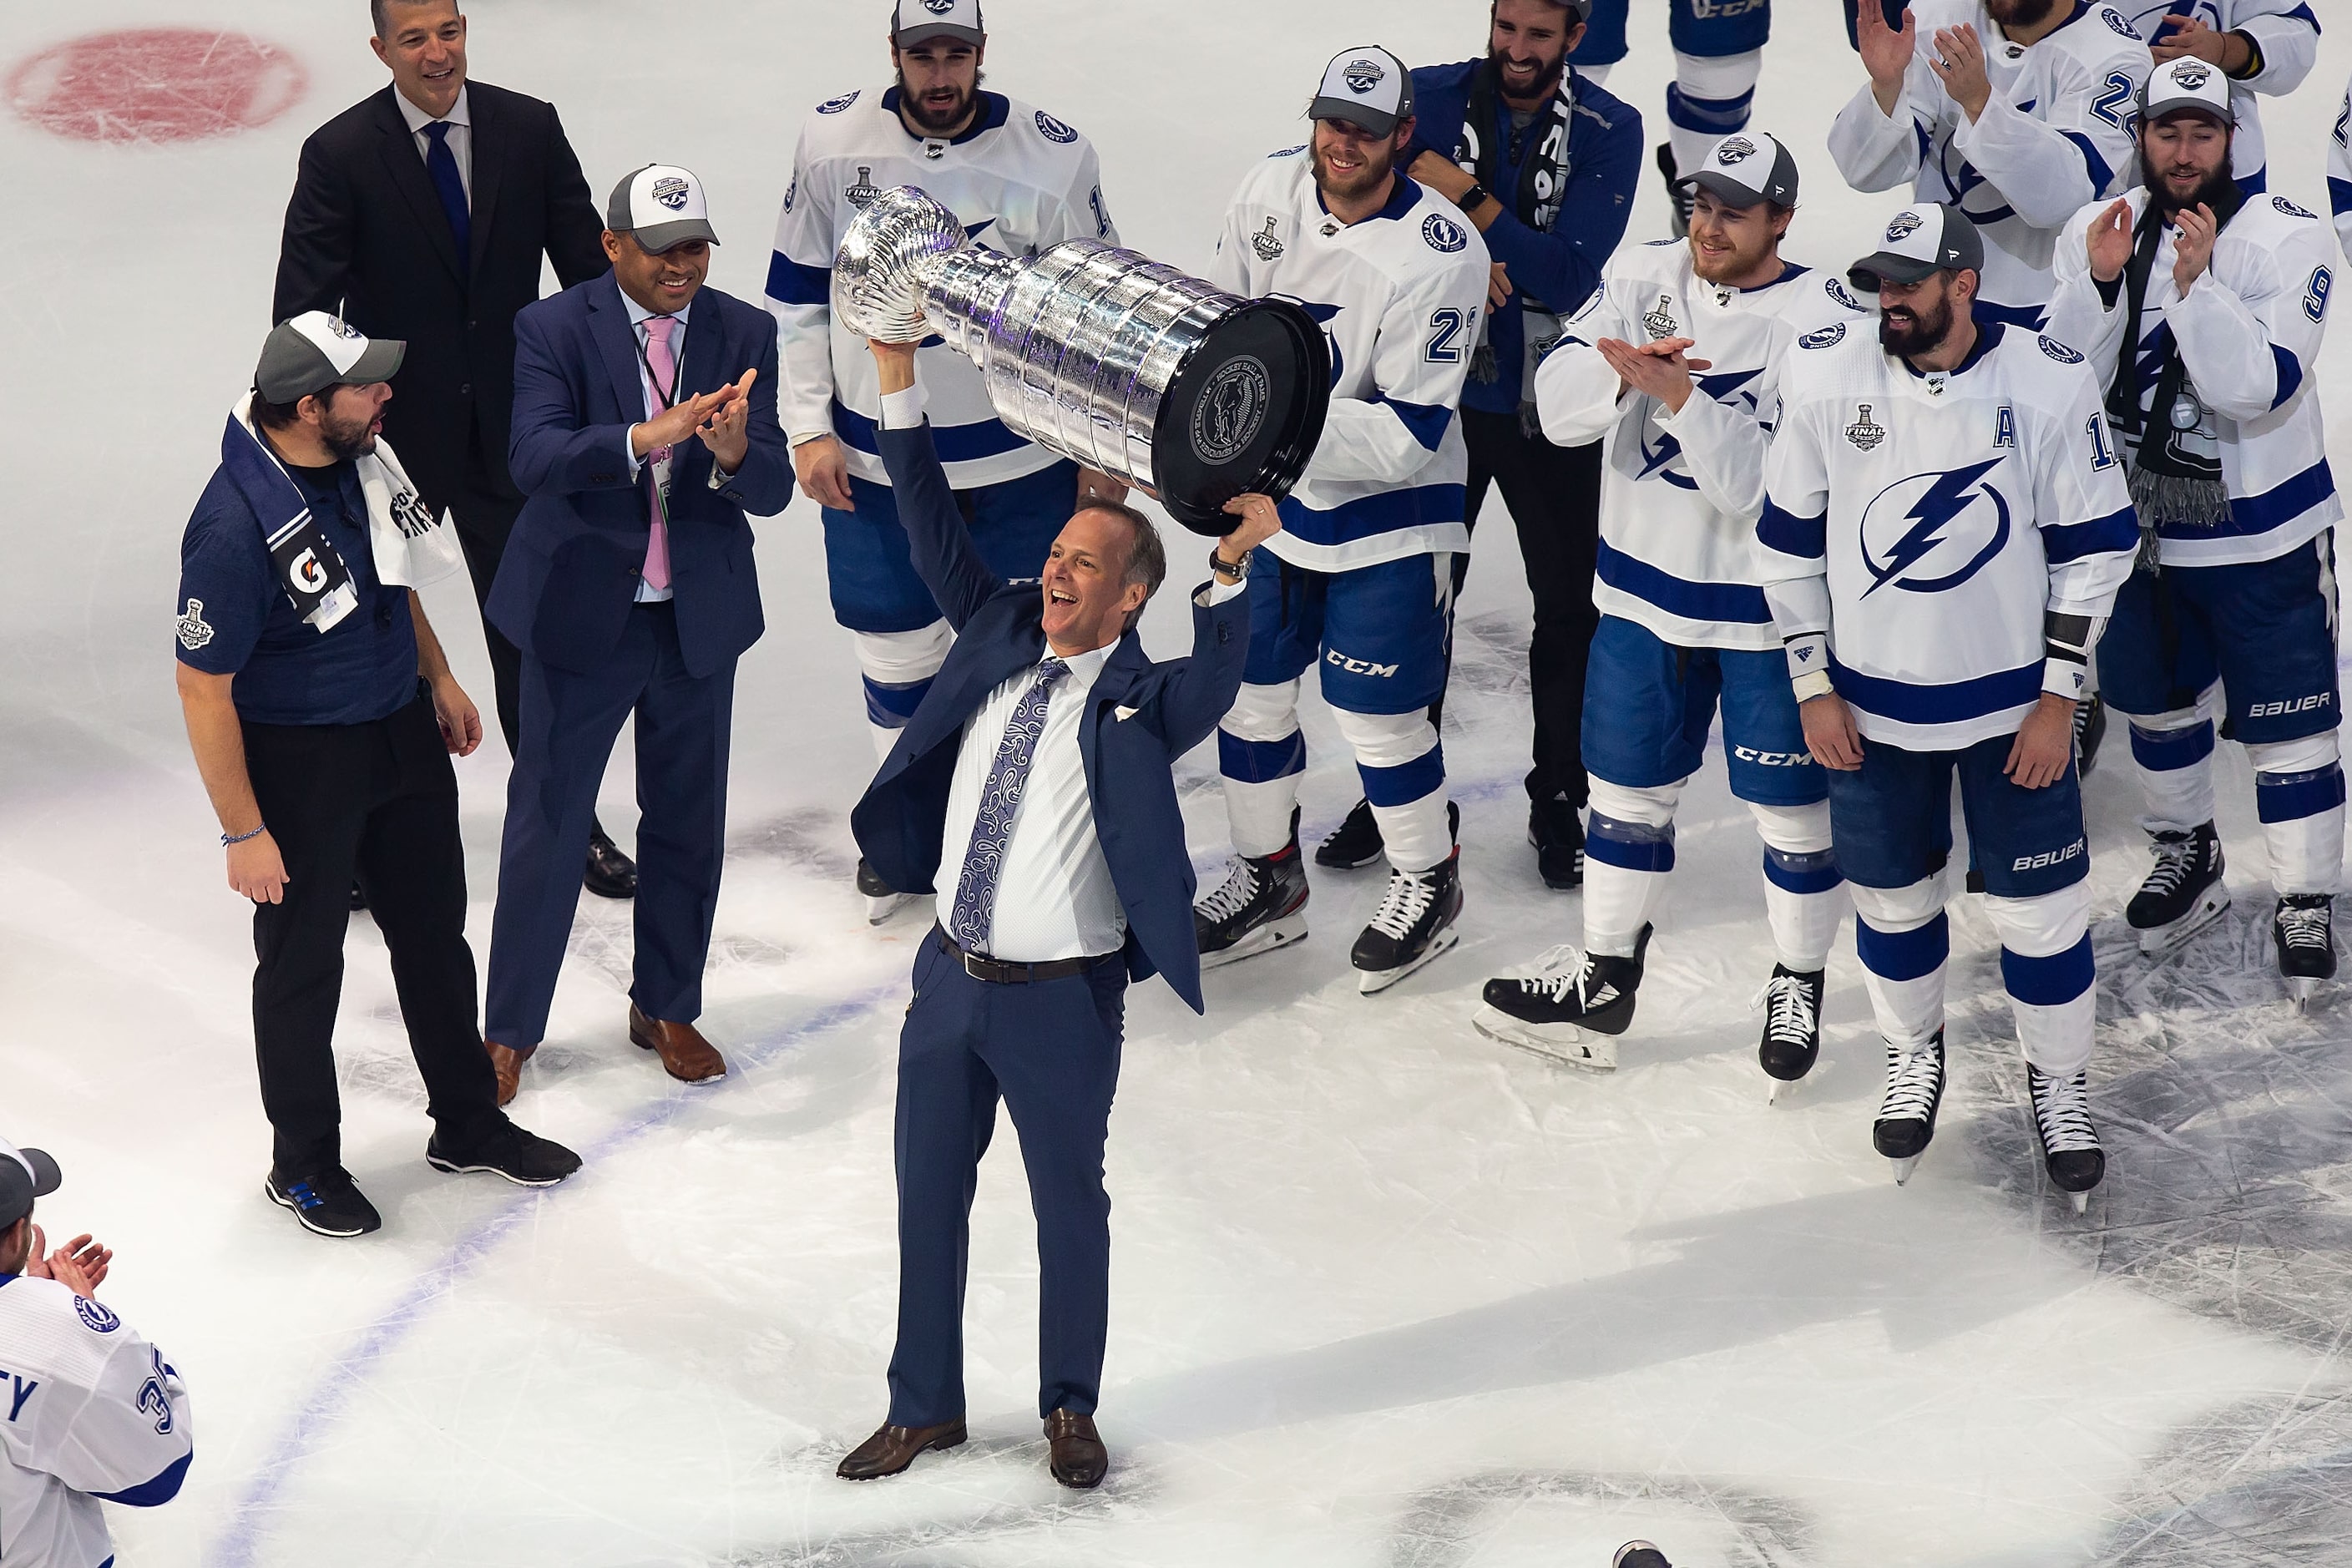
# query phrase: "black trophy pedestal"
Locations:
[[1243, 414]]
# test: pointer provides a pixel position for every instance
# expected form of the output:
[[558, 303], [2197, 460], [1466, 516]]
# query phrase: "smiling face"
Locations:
[[938, 83], [1739, 246], [1350, 163], [1915, 317], [1531, 43], [664, 283], [423, 43], [2185, 158], [1088, 600]]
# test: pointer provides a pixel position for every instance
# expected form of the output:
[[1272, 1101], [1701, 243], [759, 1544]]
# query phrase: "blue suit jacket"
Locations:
[[1170, 708], [570, 571]]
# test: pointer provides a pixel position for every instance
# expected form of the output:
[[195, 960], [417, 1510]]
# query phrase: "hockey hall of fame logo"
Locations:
[[1232, 410], [1933, 531]]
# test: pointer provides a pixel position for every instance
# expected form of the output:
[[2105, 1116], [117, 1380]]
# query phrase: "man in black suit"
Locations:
[[421, 214]]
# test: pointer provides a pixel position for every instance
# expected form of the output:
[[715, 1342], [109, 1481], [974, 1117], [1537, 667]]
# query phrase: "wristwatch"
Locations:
[[1230, 571], [1472, 196]]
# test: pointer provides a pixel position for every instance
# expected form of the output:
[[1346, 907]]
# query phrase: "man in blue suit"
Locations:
[[1031, 796], [645, 429]]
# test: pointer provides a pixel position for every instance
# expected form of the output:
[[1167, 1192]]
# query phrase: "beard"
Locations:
[[1547, 80], [938, 122], [347, 438], [2214, 192], [1926, 329], [1742, 261], [1377, 167], [2020, 12]]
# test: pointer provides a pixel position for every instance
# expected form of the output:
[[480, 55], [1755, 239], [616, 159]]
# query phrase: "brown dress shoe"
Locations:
[[1080, 1460], [684, 1052], [507, 1063], [893, 1449]]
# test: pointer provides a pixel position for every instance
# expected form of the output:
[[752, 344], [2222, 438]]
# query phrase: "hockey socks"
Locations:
[[1708, 99]]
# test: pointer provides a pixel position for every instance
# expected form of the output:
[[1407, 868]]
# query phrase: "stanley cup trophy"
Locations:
[[1101, 356]]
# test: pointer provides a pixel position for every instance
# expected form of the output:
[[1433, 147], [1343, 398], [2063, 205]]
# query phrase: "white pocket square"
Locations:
[[1124, 714]]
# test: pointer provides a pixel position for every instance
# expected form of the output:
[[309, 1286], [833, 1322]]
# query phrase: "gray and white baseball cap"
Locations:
[[314, 351], [1920, 241], [1745, 168], [1367, 87], [662, 205], [25, 1175], [2188, 84], [917, 21]]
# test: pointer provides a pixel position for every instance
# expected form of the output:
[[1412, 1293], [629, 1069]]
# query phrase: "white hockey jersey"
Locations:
[[2339, 174], [89, 1413], [2285, 32], [1399, 296], [2249, 334], [1680, 492], [2056, 133], [1927, 522], [1021, 180]]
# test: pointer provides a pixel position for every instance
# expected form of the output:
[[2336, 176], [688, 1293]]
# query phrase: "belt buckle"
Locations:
[[971, 964]]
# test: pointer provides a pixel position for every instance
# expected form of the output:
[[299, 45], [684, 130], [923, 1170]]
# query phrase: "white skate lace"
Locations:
[[1792, 1017], [1239, 889], [1560, 971], [2176, 857], [2063, 1111], [1408, 898], [2304, 925], [1913, 1082]]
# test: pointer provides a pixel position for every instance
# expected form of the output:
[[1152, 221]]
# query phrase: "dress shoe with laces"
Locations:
[[505, 1062], [1078, 1460], [685, 1054], [611, 874], [893, 1449]]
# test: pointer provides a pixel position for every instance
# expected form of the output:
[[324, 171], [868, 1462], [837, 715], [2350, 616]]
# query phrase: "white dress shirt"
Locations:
[[461, 136]]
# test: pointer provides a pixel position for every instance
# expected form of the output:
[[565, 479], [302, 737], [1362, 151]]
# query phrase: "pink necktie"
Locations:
[[664, 365]]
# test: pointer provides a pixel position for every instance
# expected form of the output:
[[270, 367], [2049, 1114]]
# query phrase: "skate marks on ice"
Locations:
[[2262, 1483], [1457, 1523]]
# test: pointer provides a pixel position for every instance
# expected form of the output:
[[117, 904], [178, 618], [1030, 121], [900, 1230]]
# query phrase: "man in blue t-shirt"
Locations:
[[323, 715]]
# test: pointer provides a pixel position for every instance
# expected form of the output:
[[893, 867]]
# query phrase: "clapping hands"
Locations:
[[80, 1265]]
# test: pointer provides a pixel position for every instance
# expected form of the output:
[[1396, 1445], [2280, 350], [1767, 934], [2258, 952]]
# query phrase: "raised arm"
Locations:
[[2049, 167], [1200, 690], [938, 540], [2088, 311], [1880, 139]]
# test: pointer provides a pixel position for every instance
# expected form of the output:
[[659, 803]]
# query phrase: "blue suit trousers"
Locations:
[[1051, 1052]]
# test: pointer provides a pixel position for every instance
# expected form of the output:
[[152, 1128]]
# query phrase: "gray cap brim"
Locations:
[[292, 368], [1728, 190], [1865, 273], [924, 32], [16, 1193], [1371, 120], [2171, 106], [663, 236]]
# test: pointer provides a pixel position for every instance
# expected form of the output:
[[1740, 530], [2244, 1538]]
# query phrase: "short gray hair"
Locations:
[[1146, 556]]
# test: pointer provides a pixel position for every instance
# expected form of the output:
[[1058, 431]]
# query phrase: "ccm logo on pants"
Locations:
[[2290, 705], [1771, 759], [1358, 666], [2080, 847]]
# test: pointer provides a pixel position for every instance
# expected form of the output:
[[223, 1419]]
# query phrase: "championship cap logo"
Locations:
[[670, 192], [1904, 226], [342, 328], [1362, 75], [2191, 74], [1865, 433], [1734, 150]]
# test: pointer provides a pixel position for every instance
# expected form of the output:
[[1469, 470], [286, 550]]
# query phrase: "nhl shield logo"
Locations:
[[864, 190], [1362, 75], [1268, 248], [1865, 433], [2193, 74], [671, 192], [1904, 226], [1659, 322], [1734, 150]]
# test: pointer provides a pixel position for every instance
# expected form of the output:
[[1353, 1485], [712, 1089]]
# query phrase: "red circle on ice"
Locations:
[[156, 84]]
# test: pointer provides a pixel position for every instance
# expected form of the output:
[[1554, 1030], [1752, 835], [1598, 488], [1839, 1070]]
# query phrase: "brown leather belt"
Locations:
[[997, 974]]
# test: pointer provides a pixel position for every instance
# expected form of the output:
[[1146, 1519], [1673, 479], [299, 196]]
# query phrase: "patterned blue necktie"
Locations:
[[983, 863], [442, 165]]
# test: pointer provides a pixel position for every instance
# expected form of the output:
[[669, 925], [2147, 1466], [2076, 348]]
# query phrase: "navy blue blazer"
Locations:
[[1141, 717], [570, 571]]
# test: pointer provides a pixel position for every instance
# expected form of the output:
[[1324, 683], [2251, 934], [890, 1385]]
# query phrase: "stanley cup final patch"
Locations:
[[193, 630]]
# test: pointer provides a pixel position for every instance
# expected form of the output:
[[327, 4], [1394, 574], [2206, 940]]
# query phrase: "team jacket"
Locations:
[[1926, 522], [2284, 32], [2056, 133], [2249, 332], [1680, 492], [89, 1413], [1399, 296], [1021, 180]]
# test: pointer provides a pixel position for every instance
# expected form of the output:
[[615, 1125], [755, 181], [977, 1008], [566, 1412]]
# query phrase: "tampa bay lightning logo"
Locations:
[[1662, 456], [1933, 531], [1054, 129], [836, 105], [96, 1318], [1443, 234], [2114, 20], [1844, 295], [1828, 337], [2059, 350], [2290, 209]]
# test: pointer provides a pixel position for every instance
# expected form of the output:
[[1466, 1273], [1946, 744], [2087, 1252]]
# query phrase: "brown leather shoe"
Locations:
[[893, 1449], [684, 1052], [507, 1063], [1080, 1460]]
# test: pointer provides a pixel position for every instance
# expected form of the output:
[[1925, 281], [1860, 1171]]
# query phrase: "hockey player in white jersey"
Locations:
[[2017, 111], [90, 1412], [1673, 361], [2339, 174], [1945, 529], [1022, 181], [2265, 47], [1359, 583], [2201, 309]]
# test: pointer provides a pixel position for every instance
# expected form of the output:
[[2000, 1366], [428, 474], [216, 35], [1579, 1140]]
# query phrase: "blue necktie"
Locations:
[[983, 863], [442, 165]]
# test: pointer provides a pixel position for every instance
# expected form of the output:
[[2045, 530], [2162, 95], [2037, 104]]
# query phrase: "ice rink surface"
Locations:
[[1384, 1293]]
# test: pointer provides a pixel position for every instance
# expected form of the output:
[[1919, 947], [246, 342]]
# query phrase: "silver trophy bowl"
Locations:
[[1102, 356]]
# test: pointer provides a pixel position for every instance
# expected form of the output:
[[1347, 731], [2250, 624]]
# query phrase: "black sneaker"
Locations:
[[2070, 1144], [2304, 931], [1354, 843], [1260, 906], [2184, 892], [2090, 729], [327, 1203], [1572, 1009], [1682, 200], [1792, 1024], [522, 1158], [1557, 834], [1906, 1113], [1413, 924], [882, 899]]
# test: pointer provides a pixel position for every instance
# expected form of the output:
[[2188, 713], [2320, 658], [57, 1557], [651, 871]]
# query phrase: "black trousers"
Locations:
[[485, 513], [378, 802], [1554, 494]]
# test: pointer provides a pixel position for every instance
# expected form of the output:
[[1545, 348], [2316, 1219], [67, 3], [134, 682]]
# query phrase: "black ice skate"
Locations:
[[1262, 905], [1572, 1009], [2090, 729], [2070, 1144], [2304, 929], [882, 899], [1638, 1554], [1413, 924], [1906, 1115], [1680, 200], [1557, 834], [1793, 1024], [1354, 843], [2185, 892]]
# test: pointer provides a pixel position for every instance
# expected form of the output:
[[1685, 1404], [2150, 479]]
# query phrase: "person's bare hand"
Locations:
[[728, 431], [81, 1259], [823, 469], [461, 721], [1960, 64], [2192, 245], [2110, 243], [1094, 485], [1887, 51], [1498, 287], [1443, 176], [1830, 733], [2045, 747], [1656, 370], [258, 871], [2179, 36], [672, 426], [1261, 520]]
